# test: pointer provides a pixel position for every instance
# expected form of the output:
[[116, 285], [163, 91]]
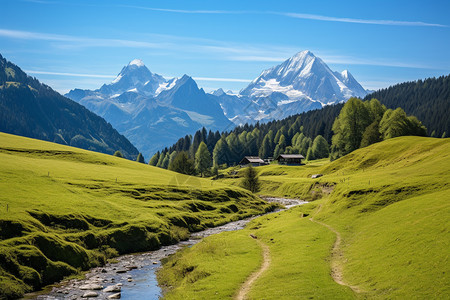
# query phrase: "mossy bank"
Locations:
[[64, 210]]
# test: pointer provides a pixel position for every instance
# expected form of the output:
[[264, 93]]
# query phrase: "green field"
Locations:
[[63, 210], [390, 205]]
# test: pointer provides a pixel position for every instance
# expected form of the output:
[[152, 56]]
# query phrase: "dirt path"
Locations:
[[336, 257], [245, 288]]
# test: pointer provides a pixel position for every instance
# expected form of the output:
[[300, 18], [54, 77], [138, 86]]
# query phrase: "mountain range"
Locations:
[[32, 109], [153, 112]]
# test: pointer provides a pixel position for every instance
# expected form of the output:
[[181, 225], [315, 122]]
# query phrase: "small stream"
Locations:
[[133, 276]]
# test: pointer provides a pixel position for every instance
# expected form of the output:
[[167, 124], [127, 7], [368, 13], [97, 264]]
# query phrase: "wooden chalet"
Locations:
[[290, 159], [251, 160]]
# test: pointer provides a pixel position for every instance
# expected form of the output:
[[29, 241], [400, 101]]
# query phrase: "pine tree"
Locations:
[[310, 154], [159, 164], [234, 147], [221, 153], [140, 158], [282, 141], [251, 180], [118, 154], [165, 162], [172, 157], [277, 151], [182, 164], [198, 138], [265, 150], [320, 148], [202, 159], [154, 160]]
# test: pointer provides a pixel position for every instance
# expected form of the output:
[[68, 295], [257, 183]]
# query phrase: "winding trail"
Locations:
[[336, 257], [245, 288]]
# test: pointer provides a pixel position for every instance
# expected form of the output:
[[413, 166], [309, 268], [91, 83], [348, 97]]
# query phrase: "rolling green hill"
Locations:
[[65, 209], [32, 109], [378, 223]]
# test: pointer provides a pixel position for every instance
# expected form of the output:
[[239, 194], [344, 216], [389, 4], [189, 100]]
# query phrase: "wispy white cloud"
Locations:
[[39, 1], [295, 15], [210, 49], [185, 11], [78, 41], [68, 74], [358, 21], [257, 58], [382, 62], [221, 79], [110, 76]]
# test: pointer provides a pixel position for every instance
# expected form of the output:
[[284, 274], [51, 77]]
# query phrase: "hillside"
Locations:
[[65, 209], [29, 108], [378, 223]]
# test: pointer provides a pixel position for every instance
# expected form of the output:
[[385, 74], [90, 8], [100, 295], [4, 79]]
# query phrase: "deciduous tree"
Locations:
[[202, 159]]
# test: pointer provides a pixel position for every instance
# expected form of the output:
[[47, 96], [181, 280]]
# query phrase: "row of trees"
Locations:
[[230, 147], [362, 123], [358, 124], [181, 162]]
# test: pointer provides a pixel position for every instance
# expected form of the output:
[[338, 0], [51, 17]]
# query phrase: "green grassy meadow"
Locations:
[[390, 203], [63, 210]]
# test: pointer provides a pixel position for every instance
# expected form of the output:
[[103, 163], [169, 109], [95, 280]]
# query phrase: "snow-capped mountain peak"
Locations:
[[305, 76], [137, 62], [134, 76]]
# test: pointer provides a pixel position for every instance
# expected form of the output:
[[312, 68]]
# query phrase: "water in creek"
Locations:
[[133, 276]]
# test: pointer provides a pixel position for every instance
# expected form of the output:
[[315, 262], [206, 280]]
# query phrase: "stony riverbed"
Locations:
[[133, 276]]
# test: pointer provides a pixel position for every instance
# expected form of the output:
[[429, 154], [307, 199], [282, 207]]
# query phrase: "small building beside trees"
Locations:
[[290, 159], [254, 161]]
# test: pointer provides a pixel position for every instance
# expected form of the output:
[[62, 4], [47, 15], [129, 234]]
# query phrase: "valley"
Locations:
[[224, 150], [64, 210], [391, 216]]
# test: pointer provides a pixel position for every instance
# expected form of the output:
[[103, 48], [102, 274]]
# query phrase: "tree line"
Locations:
[[428, 100], [358, 124]]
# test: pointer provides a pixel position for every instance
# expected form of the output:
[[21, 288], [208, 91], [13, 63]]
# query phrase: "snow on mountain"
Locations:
[[153, 112], [150, 111], [136, 62], [302, 82], [305, 76], [134, 76]]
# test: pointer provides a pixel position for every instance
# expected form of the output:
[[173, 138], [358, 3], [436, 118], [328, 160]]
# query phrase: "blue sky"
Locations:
[[85, 43]]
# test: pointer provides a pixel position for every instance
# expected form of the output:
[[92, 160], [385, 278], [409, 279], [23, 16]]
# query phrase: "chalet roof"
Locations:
[[290, 156], [252, 159]]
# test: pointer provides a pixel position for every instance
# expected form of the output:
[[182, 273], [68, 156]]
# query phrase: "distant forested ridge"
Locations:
[[428, 100], [29, 108], [248, 139]]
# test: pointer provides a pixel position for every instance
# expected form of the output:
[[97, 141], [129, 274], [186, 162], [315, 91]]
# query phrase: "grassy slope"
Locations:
[[390, 202], [299, 250], [63, 209]]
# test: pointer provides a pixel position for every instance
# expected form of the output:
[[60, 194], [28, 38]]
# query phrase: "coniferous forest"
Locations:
[[358, 124], [421, 107]]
